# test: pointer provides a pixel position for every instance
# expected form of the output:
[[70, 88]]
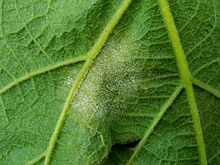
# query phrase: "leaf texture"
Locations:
[[109, 82]]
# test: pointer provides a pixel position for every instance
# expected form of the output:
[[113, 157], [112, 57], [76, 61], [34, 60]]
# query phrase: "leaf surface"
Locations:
[[109, 82]]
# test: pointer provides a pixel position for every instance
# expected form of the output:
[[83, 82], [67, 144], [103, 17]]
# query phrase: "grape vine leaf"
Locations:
[[109, 82]]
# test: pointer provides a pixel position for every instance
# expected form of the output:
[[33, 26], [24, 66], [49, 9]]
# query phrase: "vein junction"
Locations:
[[184, 73], [92, 54]]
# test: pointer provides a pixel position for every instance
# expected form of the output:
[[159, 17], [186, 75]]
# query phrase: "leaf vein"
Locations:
[[46, 69], [156, 120], [185, 74], [92, 54], [206, 87], [32, 37]]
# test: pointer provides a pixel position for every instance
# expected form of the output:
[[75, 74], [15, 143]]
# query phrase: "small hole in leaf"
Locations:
[[121, 149], [131, 144]]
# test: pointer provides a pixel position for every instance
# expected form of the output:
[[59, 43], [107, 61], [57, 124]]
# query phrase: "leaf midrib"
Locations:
[[92, 54], [188, 82], [185, 74]]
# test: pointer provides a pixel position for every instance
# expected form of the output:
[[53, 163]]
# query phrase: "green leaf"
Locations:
[[109, 82]]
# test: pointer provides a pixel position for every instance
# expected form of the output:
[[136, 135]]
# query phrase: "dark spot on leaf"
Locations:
[[131, 144]]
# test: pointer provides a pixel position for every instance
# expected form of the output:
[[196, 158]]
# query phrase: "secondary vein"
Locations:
[[206, 87], [168, 103], [184, 73], [91, 57], [37, 159], [46, 69]]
